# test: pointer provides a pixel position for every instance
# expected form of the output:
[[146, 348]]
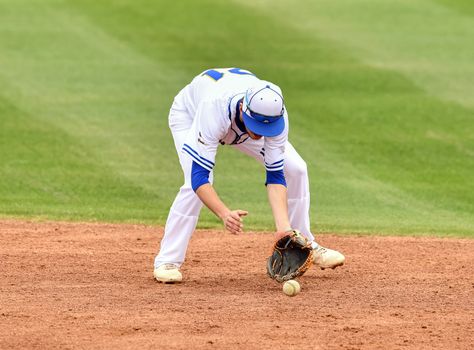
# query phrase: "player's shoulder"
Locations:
[[223, 102], [214, 112]]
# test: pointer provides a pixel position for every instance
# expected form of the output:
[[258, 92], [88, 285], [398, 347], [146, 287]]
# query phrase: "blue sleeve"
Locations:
[[275, 177], [199, 176]]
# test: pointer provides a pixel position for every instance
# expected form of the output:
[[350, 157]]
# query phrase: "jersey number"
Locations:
[[216, 75]]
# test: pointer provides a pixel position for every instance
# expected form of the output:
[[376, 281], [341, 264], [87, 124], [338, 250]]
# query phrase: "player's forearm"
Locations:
[[279, 202], [208, 195], [232, 219]]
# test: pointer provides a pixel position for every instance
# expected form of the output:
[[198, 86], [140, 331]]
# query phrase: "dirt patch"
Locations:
[[66, 285]]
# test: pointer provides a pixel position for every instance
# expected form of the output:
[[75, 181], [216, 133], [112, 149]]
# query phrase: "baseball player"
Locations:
[[231, 106]]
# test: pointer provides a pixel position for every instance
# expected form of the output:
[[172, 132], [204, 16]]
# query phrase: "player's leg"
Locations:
[[297, 180], [184, 212], [296, 175], [183, 215]]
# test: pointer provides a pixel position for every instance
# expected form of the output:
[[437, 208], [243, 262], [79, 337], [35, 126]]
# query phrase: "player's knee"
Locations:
[[297, 169]]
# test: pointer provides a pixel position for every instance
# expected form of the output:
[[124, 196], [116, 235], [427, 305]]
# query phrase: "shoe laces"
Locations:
[[170, 266], [321, 250]]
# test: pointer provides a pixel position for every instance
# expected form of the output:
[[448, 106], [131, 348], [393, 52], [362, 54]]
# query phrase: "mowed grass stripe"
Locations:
[[48, 174], [430, 44], [464, 7], [391, 133], [70, 75], [85, 82], [348, 118]]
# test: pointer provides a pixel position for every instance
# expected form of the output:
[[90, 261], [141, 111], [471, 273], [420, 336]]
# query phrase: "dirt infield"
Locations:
[[66, 285]]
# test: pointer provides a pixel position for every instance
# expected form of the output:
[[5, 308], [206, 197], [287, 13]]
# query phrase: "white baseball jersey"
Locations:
[[212, 99]]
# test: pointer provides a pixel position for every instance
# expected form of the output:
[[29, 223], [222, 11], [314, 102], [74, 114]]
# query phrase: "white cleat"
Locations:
[[168, 273], [327, 258]]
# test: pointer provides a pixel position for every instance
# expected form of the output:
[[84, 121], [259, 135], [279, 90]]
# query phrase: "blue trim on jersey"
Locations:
[[240, 124], [276, 177], [195, 159], [195, 154], [275, 169], [274, 163], [199, 176], [274, 166]]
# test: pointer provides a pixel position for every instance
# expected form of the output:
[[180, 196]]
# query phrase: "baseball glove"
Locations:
[[292, 255]]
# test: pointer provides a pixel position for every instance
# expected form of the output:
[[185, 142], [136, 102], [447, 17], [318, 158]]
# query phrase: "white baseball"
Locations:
[[291, 288]]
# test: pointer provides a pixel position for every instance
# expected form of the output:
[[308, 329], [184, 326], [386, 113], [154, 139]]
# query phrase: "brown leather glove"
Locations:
[[292, 255]]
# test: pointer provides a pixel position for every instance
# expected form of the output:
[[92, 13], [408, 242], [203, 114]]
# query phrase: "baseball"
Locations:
[[291, 288]]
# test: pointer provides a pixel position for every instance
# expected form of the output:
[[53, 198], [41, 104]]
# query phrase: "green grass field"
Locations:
[[380, 95]]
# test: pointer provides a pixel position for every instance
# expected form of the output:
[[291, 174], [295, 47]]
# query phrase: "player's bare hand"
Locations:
[[233, 221]]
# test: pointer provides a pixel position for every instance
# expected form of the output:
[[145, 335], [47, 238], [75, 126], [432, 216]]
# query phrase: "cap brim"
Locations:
[[264, 129]]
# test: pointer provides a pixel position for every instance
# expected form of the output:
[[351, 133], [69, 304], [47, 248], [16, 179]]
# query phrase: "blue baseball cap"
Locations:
[[263, 109]]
